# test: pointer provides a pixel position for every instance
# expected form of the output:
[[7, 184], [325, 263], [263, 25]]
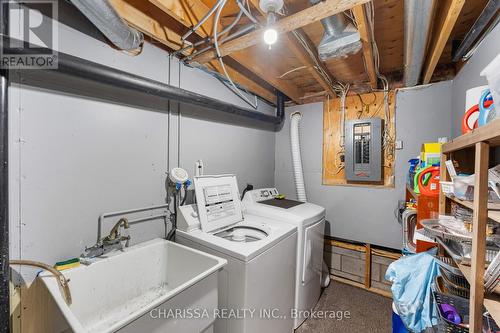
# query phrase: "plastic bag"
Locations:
[[411, 278]]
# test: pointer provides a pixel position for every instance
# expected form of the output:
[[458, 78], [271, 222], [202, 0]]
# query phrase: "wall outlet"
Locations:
[[399, 144]]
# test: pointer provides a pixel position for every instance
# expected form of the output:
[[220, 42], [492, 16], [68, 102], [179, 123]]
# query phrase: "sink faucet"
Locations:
[[113, 241]]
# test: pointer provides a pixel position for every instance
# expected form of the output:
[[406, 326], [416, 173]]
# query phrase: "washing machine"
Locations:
[[256, 287], [310, 222]]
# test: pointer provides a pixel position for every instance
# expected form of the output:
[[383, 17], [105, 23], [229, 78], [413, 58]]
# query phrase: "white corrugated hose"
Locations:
[[296, 157], [299, 177]]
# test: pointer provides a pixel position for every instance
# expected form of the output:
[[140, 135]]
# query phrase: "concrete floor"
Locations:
[[368, 312]]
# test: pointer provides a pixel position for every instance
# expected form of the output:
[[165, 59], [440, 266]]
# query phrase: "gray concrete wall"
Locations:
[[362, 213], [73, 158], [469, 76]]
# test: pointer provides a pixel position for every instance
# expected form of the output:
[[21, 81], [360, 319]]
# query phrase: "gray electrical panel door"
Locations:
[[363, 150]]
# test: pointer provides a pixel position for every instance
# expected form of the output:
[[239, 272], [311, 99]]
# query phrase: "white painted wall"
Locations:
[[469, 76], [73, 158], [365, 214]]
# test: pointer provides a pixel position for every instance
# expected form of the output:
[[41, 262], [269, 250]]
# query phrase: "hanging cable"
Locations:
[[219, 57], [388, 140], [247, 12], [203, 19]]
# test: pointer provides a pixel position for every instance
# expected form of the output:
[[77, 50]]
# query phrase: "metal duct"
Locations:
[[340, 37], [106, 19], [418, 16]]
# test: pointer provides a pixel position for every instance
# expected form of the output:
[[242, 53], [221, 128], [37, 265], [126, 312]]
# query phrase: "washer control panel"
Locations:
[[261, 194]]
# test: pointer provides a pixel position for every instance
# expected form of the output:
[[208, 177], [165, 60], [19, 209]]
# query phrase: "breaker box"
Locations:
[[363, 150]]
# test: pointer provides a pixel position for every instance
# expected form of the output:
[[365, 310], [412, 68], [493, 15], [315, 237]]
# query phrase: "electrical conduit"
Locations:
[[299, 176]]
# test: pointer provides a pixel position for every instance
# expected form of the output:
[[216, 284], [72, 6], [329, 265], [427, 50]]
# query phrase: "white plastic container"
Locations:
[[492, 73], [463, 187], [447, 187]]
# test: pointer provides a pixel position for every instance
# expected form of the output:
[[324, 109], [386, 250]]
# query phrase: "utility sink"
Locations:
[[148, 287]]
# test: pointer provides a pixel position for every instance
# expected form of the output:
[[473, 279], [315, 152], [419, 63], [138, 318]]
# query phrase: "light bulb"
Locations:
[[270, 36]]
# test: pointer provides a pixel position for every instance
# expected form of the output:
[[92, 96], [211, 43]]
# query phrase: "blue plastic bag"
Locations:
[[411, 278]]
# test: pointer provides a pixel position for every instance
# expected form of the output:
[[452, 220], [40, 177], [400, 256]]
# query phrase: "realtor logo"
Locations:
[[30, 34]]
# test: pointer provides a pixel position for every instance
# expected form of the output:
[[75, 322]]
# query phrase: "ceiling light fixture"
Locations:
[[271, 7]]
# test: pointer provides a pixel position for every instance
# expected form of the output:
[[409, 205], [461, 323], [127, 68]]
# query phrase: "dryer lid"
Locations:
[[218, 201]]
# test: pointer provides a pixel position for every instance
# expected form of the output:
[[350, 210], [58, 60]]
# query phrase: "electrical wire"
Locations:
[[291, 71], [203, 19], [388, 140], [217, 50]]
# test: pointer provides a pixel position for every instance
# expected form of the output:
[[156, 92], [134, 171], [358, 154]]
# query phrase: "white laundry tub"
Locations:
[[156, 286]]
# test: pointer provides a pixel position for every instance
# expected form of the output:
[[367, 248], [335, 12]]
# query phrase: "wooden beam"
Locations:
[[298, 50], [287, 24], [368, 266], [195, 9], [447, 20], [186, 12], [139, 16], [366, 39], [245, 82], [269, 74], [479, 220]]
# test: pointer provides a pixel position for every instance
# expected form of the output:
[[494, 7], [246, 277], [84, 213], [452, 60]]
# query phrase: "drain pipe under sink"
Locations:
[[299, 177]]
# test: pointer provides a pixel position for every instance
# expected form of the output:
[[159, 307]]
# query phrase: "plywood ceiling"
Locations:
[[286, 67]]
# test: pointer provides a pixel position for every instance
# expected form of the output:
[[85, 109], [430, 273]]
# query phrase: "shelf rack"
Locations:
[[472, 150]]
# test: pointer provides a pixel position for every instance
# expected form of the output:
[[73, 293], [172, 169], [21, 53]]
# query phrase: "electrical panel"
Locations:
[[363, 150]]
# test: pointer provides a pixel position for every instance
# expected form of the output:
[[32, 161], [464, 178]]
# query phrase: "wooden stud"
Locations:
[[452, 9], [480, 217], [368, 266], [444, 176], [366, 39], [287, 24]]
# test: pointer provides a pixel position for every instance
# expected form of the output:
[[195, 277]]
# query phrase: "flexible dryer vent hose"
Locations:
[[296, 156], [299, 177]]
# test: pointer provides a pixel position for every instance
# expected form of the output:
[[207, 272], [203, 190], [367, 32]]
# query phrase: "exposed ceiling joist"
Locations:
[[300, 53], [446, 21], [286, 24], [246, 82], [298, 50], [366, 39], [227, 20], [136, 16], [195, 9]]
